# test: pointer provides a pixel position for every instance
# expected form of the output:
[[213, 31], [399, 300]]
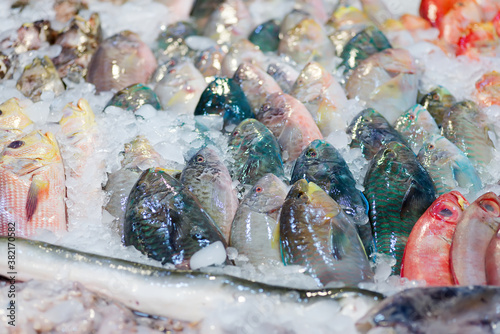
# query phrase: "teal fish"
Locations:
[[255, 225], [438, 102], [315, 233], [224, 97], [256, 152], [448, 166], [465, 126], [416, 125], [135, 96], [398, 190], [369, 131], [165, 221], [266, 36]]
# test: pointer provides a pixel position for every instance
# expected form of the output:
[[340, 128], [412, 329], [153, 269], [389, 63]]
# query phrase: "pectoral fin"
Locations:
[[39, 186], [340, 243], [415, 200]]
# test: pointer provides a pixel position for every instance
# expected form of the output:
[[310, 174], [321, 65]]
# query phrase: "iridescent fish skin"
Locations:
[[209, 62], [171, 42], [322, 163], [387, 81], [315, 233], [225, 98], [256, 84], [30, 36], [448, 166], [346, 21], [369, 131], [133, 97], [398, 190], [473, 233], [470, 309], [465, 126], [427, 253], [206, 176], [266, 36], [417, 125], [290, 122], [255, 151], [438, 102], [239, 52], [284, 74], [120, 61], [164, 221], [38, 77], [253, 231]]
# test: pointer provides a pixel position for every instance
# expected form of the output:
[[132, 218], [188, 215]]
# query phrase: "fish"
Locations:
[[165, 221], [206, 176], [322, 163], [255, 151], [316, 234], [138, 156], [427, 253], [416, 125], [29, 36], [470, 309], [133, 97], [38, 77], [448, 166], [209, 62], [387, 81], [176, 294], [438, 101], [492, 260], [201, 11], [266, 36], [120, 61], [5, 66], [256, 84], [479, 39], [370, 131], [284, 74], [240, 51], [346, 22], [171, 42], [399, 190], [473, 233], [255, 225], [454, 23], [32, 189], [323, 96], [13, 121], [434, 10], [181, 88], [290, 122], [488, 89], [225, 98], [466, 126], [65, 10]]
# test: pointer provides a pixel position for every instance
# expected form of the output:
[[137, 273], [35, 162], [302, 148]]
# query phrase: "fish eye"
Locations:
[[16, 144], [266, 107], [200, 158], [258, 189], [435, 97], [1, 112], [445, 211], [390, 154], [235, 133], [412, 117], [312, 153], [490, 207], [430, 146]]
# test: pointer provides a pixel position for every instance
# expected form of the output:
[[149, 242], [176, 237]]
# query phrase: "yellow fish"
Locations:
[[12, 121]]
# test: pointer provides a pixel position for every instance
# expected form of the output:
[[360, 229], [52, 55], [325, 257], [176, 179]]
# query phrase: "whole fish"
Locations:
[[470, 309], [165, 221], [255, 225], [13, 121], [266, 36], [206, 176], [322, 163], [427, 253], [224, 97], [448, 166], [38, 77], [290, 122], [465, 126], [473, 233], [387, 81], [32, 187], [175, 294], [438, 101], [315, 233], [417, 125], [255, 151], [492, 261], [370, 131], [120, 61], [241, 51], [133, 97], [399, 190], [256, 84], [284, 74], [323, 96]]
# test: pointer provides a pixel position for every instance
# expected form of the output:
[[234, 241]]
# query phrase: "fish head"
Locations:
[[392, 157], [30, 152], [415, 117], [312, 82], [346, 17], [314, 164], [489, 203], [209, 62], [449, 207], [437, 148], [77, 118], [139, 153], [367, 126], [267, 195], [12, 116], [248, 128], [205, 160]]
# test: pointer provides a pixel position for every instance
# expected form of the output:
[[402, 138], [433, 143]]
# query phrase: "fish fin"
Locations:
[[460, 175], [340, 242], [414, 200], [38, 187]]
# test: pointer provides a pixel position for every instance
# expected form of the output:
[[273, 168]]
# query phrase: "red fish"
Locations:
[[434, 10], [427, 253], [492, 261]]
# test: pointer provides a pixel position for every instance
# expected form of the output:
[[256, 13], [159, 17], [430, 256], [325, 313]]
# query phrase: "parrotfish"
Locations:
[[315, 233], [209, 62], [171, 42], [437, 102], [255, 225], [427, 253], [239, 52], [346, 22], [38, 77], [284, 74], [398, 190], [266, 36], [135, 96], [492, 261]]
